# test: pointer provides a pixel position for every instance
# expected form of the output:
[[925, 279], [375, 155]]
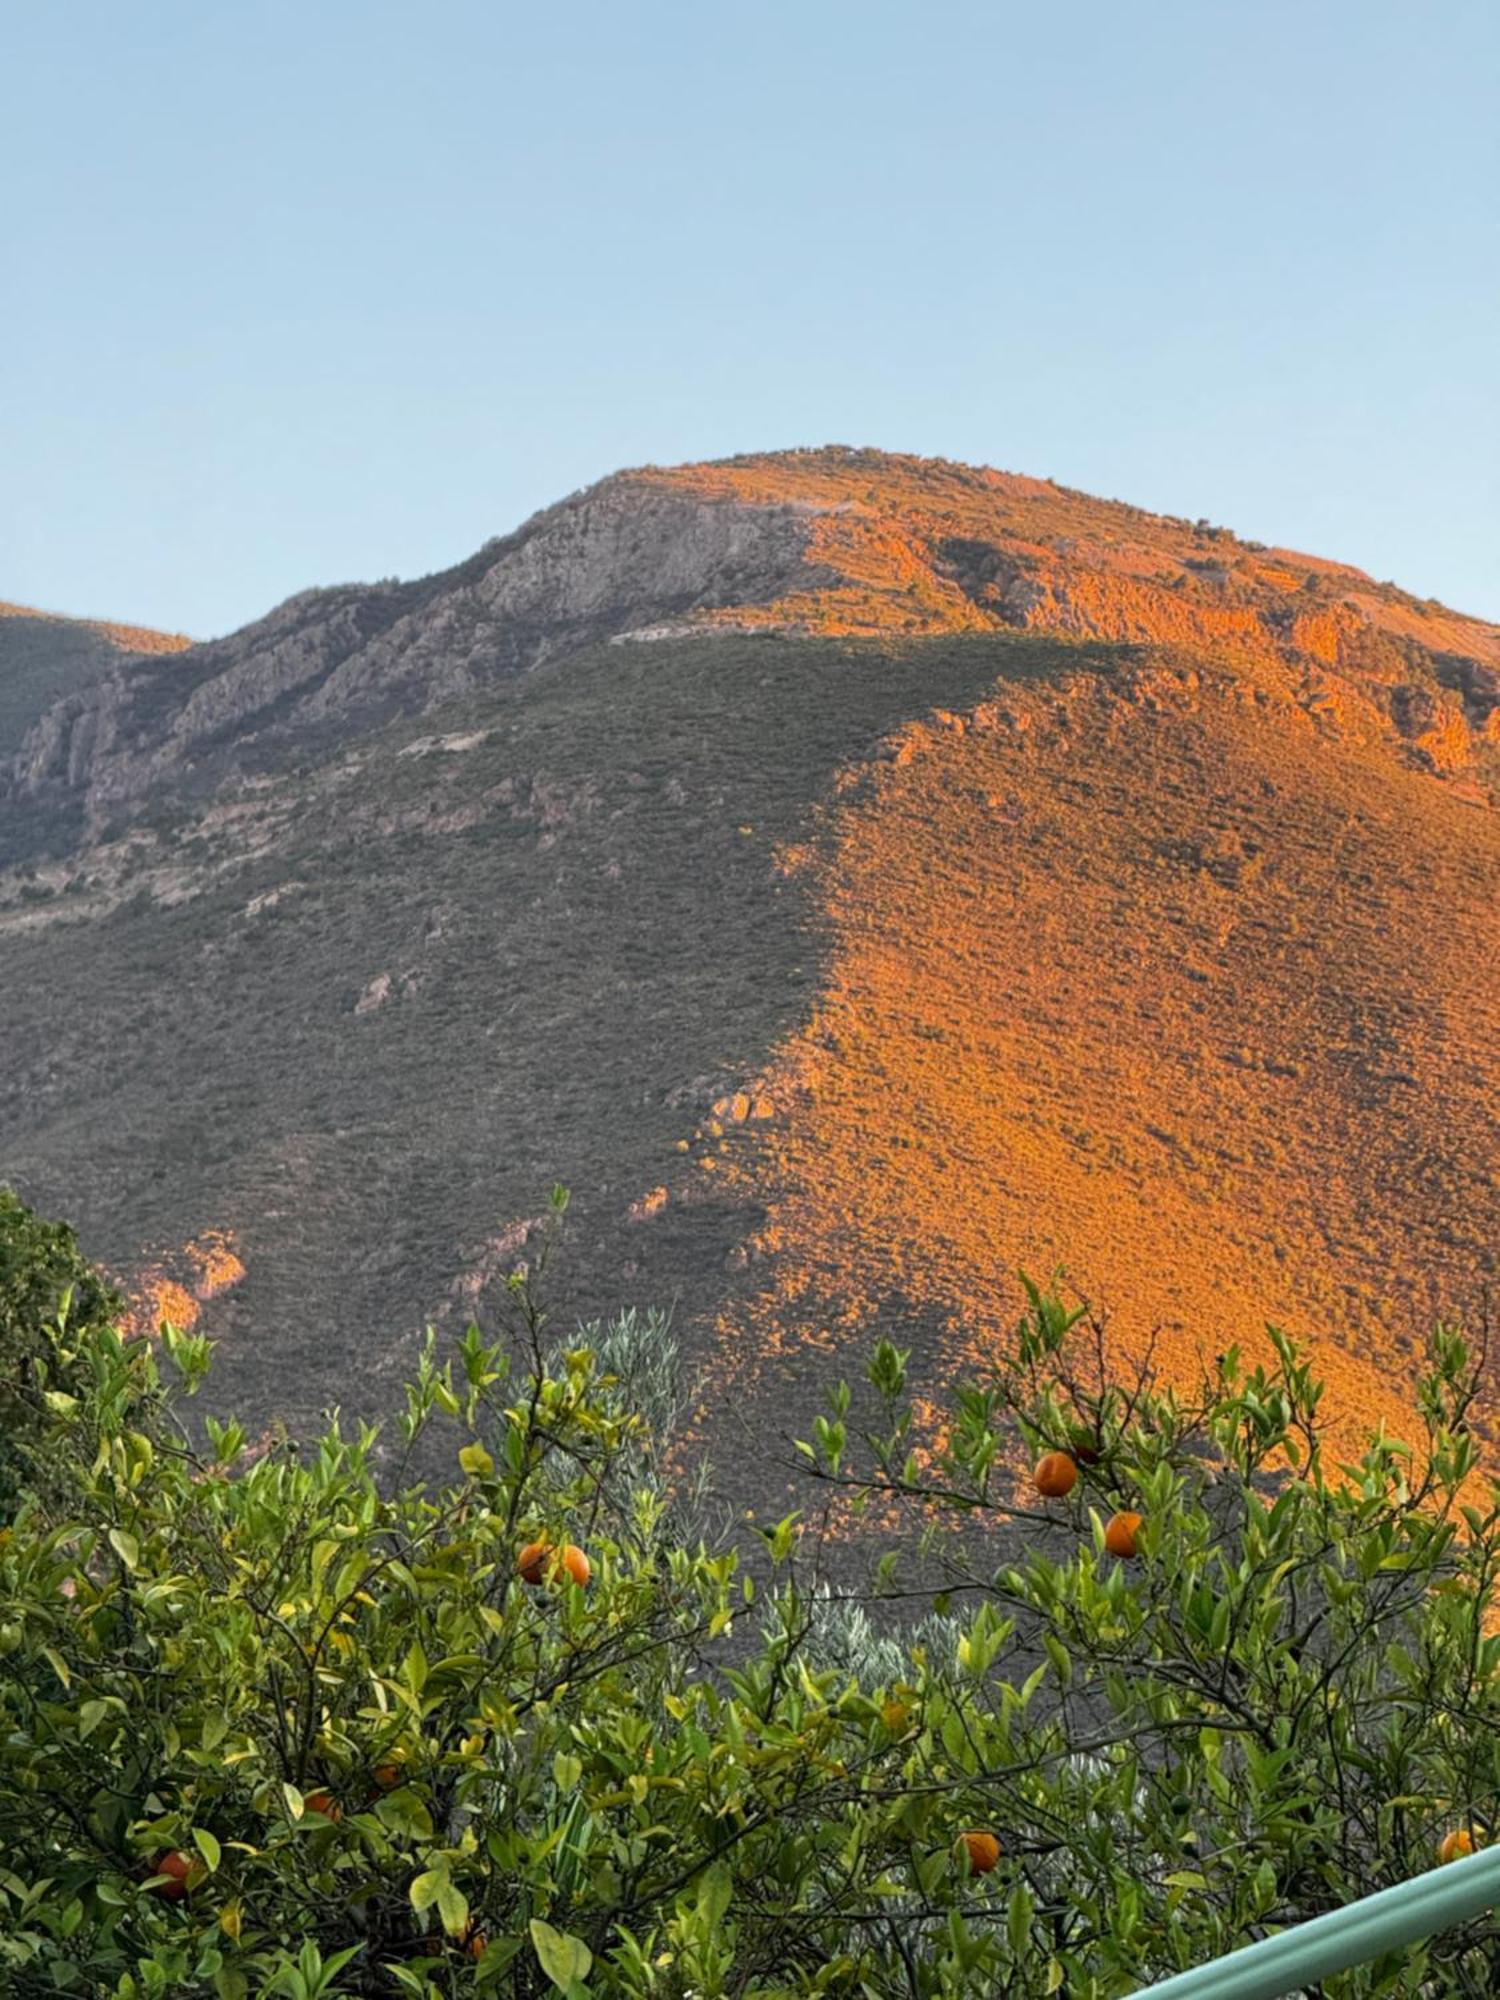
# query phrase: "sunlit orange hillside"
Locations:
[[856, 877], [1157, 976], [1180, 971], [913, 546], [125, 638]]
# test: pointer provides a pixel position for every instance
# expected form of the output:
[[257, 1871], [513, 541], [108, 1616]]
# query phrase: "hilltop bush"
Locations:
[[293, 1721]]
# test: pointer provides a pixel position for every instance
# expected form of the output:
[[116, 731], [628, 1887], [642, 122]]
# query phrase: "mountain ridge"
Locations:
[[833, 542]]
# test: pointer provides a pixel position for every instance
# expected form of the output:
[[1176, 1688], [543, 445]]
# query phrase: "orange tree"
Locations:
[[1225, 1682], [39, 1262], [298, 1722]]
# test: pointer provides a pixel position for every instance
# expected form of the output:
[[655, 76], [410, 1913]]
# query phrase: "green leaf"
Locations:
[[566, 1771], [294, 1801], [476, 1461], [564, 1959], [453, 1907], [425, 1889], [405, 1811], [715, 1892], [125, 1546], [208, 1847], [1018, 1918], [322, 1555]]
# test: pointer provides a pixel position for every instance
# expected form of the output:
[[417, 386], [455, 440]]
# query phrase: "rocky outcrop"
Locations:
[[330, 662]]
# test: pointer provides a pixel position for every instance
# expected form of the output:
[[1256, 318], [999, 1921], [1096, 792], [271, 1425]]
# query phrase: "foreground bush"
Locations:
[[297, 1722], [40, 1263]]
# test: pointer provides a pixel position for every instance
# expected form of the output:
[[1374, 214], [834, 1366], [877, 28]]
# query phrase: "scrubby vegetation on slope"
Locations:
[[1038, 950], [288, 1720], [1145, 970]]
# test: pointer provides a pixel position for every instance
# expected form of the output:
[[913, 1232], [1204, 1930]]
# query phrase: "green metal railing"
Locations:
[[1431, 1902]]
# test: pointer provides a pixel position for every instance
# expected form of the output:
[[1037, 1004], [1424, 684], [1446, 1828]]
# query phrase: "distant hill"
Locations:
[[854, 875], [44, 658]]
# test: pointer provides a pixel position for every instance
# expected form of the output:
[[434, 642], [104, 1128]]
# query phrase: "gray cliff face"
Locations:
[[622, 555]]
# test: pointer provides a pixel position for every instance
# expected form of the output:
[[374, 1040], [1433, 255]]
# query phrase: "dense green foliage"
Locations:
[[387, 1764], [40, 1262]]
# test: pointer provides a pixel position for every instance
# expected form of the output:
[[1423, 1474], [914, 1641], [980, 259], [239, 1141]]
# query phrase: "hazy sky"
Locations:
[[297, 292]]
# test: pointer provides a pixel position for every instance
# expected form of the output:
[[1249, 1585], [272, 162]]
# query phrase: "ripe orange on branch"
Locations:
[[540, 1561], [982, 1849], [532, 1562], [322, 1801], [1453, 1845], [176, 1867], [1120, 1534], [1055, 1475]]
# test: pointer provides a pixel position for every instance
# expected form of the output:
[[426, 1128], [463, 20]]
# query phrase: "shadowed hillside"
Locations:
[[854, 876], [44, 658]]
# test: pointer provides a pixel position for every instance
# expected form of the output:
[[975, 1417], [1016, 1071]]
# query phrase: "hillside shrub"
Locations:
[[289, 1721]]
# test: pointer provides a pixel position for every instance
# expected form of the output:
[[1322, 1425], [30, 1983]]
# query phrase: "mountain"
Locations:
[[855, 876]]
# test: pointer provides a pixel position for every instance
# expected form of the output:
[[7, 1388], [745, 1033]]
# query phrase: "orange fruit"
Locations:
[[1452, 1845], [1120, 1534], [1055, 1475], [577, 1564], [539, 1560], [322, 1802], [176, 1866], [532, 1562], [983, 1851], [388, 1775], [476, 1944]]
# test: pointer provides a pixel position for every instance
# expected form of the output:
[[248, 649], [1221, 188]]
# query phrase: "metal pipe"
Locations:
[[1436, 1900]]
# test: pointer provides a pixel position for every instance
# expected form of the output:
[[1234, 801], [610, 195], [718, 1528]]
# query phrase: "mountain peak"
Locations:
[[920, 544], [835, 542]]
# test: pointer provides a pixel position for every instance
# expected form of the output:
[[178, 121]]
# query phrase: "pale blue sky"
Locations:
[[297, 292]]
